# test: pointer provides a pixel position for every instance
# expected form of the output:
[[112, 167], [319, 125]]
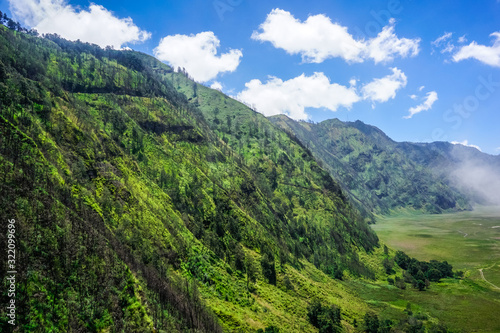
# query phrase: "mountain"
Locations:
[[139, 209], [382, 175], [472, 172]]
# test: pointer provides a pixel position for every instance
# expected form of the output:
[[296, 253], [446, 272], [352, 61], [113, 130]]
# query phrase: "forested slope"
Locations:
[[380, 174], [132, 205]]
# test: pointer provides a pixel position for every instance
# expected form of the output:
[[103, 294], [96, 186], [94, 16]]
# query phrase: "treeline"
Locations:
[[418, 273], [14, 25]]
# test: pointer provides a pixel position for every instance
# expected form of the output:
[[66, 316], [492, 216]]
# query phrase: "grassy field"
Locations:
[[470, 241], [467, 240]]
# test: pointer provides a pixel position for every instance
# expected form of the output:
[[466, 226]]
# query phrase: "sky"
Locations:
[[421, 71]]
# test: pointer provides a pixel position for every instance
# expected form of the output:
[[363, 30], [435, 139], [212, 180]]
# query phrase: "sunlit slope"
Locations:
[[124, 191]]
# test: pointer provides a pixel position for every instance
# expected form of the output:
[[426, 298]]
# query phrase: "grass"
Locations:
[[467, 240], [460, 304]]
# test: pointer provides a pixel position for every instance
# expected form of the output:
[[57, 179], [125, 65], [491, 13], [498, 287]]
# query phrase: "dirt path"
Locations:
[[463, 233], [482, 275]]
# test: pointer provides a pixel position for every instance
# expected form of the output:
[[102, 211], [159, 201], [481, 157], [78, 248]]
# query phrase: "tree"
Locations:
[[11, 24], [330, 320], [313, 311], [434, 275], [388, 265], [327, 318], [385, 326], [268, 267], [408, 310], [239, 259], [251, 270], [371, 323], [273, 178], [402, 259], [420, 285]]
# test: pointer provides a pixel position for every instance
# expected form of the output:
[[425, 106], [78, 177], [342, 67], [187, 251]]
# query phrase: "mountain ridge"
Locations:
[[352, 151]]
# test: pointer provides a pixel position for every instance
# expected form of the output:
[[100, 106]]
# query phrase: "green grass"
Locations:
[[460, 304], [467, 240]]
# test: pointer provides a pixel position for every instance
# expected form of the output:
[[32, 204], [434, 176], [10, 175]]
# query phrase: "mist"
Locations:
[[478, 177]]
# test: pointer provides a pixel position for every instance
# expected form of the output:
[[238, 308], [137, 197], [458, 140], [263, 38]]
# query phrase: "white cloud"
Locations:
[[426, 105], [448, 49], [387, 45], [293, 96], [489, 55], [96, 25], [414, 97], [198, 55], [381, 90], [421, 88], [444, 43], [466, 143], [216, 85], [440, 40], [318, 38], [462, 39]]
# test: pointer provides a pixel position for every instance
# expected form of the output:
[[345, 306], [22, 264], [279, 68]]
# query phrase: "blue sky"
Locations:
[[377, 61]]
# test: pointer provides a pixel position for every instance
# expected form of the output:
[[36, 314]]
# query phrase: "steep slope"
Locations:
[[122, 191], [377, 172]]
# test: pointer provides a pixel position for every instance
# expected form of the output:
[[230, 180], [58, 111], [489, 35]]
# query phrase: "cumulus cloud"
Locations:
[[383, 89], [293, 96], [466, 143], [318, 38], [216, 85], [387, 45], [430, 98], [96, 25], [489, 55], [198, 55]]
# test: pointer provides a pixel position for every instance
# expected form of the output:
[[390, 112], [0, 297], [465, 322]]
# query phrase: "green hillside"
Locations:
[[378, 173], [128, 205]]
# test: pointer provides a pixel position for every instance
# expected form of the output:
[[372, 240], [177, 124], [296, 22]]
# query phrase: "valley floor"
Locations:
[[470, 241]]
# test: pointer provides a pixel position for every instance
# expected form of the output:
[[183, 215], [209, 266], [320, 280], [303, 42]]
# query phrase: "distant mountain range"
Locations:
[[382, 175]]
